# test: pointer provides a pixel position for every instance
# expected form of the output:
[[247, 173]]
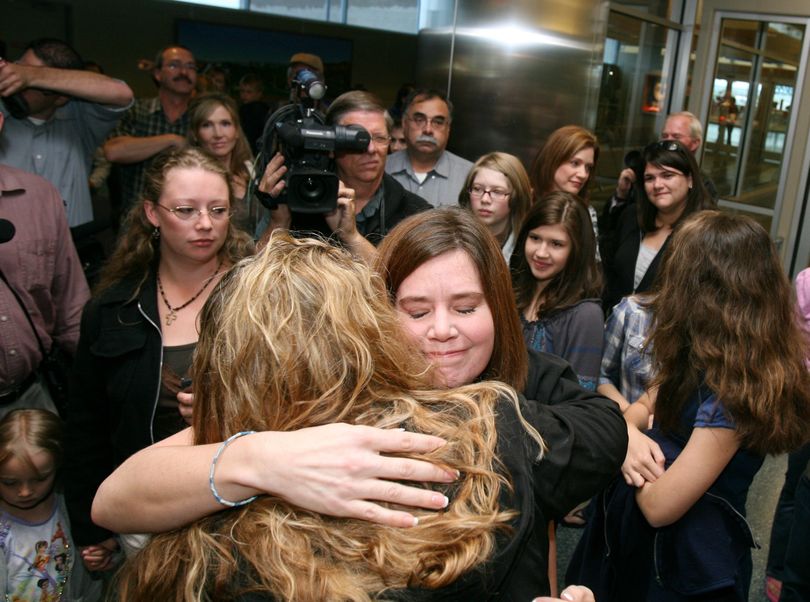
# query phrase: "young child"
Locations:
[[40, 560], [557, 284]]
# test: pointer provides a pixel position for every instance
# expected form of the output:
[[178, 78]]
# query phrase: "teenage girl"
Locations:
[[39, 556], [726, 391], [557, 284]]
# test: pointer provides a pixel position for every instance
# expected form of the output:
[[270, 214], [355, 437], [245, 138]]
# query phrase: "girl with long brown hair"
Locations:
[[557, 284], [726, 391]]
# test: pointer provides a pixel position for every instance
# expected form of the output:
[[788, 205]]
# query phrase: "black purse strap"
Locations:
[[25, 311]]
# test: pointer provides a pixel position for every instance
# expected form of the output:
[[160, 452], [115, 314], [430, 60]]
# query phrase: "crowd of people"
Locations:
[[399, 398]]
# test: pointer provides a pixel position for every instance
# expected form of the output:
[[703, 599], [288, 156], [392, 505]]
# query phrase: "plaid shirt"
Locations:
[[626, 363], [145, 118]]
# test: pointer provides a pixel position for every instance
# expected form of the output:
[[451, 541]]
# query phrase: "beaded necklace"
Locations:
[[172, 315]]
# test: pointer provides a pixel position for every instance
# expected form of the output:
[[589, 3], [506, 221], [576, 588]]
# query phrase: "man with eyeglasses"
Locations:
[[57, 114], [156, 124], [371, 202], [425, 167]]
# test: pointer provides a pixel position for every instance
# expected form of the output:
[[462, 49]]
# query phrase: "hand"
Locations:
[[572, 593], [13, 77], [272, 181], [280, 217], [338, 469], [343, 220], [626, 180], [185, 404], [175, 141], [101, 556], [644, 460]]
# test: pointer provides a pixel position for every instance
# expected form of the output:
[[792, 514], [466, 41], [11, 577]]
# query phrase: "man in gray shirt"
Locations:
[[425, 167], [68, 114]]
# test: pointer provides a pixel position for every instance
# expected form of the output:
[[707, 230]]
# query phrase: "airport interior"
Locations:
[[515, 71]]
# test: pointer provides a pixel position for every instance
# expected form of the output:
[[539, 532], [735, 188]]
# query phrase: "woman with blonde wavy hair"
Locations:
[[139, 330], [469, 333], [303, 321]]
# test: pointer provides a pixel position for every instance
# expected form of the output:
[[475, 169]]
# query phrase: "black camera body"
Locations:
[[308, 146]]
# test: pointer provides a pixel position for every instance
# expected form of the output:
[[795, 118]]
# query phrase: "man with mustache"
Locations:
[[154, 125], [370, 202], [57, 114], [425, 167]]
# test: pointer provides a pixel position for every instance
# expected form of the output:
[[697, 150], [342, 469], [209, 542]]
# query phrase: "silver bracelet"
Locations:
[[213, 487]]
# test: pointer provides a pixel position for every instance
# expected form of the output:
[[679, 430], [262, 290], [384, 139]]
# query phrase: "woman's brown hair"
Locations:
[[430, 234], [560, 147], [200, 110], [724, 314], [580, 278]]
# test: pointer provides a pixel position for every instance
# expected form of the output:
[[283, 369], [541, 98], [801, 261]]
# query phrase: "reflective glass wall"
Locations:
[[643, 44]]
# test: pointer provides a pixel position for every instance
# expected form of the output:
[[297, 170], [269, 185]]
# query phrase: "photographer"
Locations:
[[370, 202]]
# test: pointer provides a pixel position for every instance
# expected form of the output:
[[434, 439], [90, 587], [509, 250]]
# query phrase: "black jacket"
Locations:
[[114, 392], [586, 439], [620, 262]]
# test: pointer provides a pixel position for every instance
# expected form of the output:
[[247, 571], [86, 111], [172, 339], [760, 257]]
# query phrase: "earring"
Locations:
[[156, 233]]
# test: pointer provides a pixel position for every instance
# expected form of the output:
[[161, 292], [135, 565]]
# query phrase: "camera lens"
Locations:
[[311, 189]]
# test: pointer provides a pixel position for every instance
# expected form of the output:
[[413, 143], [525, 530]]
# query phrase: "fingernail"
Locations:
[[400, 429], [566, 596], [415, 521], [438, 497]]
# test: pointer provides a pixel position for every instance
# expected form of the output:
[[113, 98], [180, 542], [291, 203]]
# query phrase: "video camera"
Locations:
[[307, 143]]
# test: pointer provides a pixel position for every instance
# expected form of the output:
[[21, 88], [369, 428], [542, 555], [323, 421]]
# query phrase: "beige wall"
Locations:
[[116, 33]]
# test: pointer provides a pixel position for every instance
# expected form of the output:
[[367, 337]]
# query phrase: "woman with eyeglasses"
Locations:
[[139, 331], [499, 194], [672, 190], [214, 126]]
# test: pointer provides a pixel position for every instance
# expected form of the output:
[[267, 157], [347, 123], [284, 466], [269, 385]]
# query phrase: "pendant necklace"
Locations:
[[172, 315]]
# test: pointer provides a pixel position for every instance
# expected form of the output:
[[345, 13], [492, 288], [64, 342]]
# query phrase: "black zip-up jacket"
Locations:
[[113, 394]]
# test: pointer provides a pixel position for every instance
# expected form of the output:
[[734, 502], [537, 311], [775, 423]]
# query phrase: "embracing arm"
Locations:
[[585, 435], [334, 469], [707, 453]]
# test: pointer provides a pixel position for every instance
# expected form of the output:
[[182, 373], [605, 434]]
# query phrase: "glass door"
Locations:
[[748, 113]]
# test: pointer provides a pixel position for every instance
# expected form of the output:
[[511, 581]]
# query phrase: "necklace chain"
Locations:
[[172, 315]]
